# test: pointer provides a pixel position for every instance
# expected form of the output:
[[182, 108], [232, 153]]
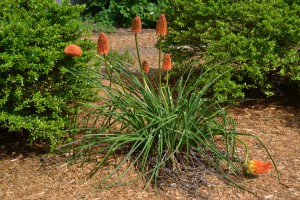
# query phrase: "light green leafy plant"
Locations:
[[120, 12]]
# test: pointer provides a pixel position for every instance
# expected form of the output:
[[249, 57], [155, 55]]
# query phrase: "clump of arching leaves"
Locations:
[[156, 127]]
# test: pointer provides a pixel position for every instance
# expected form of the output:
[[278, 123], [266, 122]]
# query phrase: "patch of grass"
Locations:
[[89, 24]]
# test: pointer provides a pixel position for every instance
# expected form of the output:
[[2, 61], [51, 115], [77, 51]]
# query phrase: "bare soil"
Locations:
[[28, 172]]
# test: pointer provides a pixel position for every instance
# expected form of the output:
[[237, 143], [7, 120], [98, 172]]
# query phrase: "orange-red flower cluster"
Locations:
[[73, 50], [136, 26], [146, 66], [258, 167], [167, 62], [161, 26], [102, 44]]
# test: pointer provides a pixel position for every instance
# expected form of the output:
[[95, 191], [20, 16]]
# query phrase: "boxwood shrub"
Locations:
[[257, 41], [38, 93]]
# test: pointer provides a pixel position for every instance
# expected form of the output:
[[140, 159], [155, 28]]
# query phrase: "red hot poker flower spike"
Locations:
[[161, 26], [146, 66], [136, 25], [167, 62], [258, 167], [73, 50], [102, 44]]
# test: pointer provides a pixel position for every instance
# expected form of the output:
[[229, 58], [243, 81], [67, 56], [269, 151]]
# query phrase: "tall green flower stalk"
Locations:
[[138, 52], [161, 32], [167, 66], [103, 48], [136, 27], [159, 61]]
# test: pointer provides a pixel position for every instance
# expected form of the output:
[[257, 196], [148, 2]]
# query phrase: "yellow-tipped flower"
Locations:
[[161, 26], [73, 50], [146, 66], [102, 44], [167, 62], [136, 26], [258, 167]]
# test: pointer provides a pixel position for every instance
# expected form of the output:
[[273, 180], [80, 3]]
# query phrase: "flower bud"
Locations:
[[102, 44], [146, 66], [136, 25], [167, 62], [161, 26]]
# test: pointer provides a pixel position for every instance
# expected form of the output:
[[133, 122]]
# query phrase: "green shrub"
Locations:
[[38, 94], [121, 12], [258, 41]]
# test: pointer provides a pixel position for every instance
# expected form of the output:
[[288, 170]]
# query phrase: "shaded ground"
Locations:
[[28, 173]]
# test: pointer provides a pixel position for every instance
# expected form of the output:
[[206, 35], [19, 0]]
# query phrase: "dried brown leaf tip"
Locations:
[[146, 66], [167, 62], [73, 50], [102, 44], [161, 26], [136, 26]]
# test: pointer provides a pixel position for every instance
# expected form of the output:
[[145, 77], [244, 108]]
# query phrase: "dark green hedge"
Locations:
[[38, 93], [257, 40]]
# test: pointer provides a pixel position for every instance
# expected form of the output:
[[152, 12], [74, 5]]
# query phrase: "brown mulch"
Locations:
[[124, 40], [27, 172]]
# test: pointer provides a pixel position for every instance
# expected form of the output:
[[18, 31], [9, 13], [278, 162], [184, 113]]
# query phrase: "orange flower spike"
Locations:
[[146, 66], [73, 50], [102, 44], [136, 26], [161, 26], [258, 167], [167, 62]]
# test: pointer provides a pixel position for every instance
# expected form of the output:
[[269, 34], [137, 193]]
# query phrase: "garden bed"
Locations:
[[27, 173]]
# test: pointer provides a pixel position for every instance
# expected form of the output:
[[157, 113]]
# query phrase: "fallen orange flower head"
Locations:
[[258, 167], [73, 50]]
